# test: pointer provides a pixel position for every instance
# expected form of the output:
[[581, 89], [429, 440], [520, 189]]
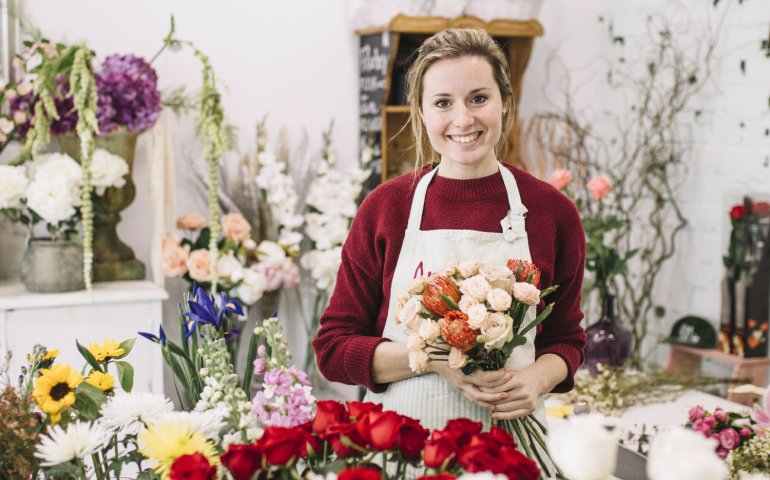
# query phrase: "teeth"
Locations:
[[465, 138]]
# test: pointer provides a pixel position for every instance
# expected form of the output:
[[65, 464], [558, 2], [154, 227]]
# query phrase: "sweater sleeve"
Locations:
[[347, 337], [562, 333]]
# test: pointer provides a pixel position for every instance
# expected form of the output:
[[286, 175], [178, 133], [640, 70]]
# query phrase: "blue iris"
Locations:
[[160, 338], [203, 310]]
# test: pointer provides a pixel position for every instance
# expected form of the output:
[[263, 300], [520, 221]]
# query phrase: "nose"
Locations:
[[463, 117]]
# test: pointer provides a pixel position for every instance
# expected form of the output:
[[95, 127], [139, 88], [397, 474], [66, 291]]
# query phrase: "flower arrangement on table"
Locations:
[[473, 316]]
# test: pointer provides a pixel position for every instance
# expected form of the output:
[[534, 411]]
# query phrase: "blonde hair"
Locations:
[[450, 44]]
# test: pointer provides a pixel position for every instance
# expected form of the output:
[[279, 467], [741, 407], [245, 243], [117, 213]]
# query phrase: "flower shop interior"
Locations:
[[175, 201]]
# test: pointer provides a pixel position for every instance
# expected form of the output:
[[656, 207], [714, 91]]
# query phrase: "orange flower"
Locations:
[[456, 332], [431, 296], [522, 269]]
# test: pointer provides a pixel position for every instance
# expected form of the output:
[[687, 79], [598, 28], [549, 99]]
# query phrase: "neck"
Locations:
[[455, 171]]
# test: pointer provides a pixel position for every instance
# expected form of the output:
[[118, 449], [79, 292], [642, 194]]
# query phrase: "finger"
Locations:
[[489, 379], [511, 415], [514, 405], [512, 384], [485, 405], [490, 398]]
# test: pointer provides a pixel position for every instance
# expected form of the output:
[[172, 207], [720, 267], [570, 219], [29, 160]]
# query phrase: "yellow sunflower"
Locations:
[[165, 441], [47, 359], [108, 349], [102, 381], [55, 390]]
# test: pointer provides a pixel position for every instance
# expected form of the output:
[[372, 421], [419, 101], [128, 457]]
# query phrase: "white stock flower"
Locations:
[[270, 253], [107, 170], [13, 186], [584, 448], [230, 267], [683, 454], [526, 293], [477, 287], [127, 413], [418, 361], [477, 315], [78, 440], [497, 330], [466, 303], [252, 288], [457, 359], [468, 269], [499, 300], [52, 198], [429, 330]]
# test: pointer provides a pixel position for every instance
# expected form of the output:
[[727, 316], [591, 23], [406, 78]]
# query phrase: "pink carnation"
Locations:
[[560, 178], [599, 186]]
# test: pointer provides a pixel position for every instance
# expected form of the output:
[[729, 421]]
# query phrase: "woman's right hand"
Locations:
[[469, 385]]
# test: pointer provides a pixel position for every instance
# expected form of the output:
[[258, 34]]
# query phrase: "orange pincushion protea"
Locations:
[[456, 331], [431, 296], [522, 269]]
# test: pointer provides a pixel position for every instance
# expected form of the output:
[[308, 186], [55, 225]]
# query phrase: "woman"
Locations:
[[468, 208]]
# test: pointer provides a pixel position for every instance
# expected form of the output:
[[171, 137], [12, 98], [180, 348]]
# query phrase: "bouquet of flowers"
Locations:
[[473, 316]]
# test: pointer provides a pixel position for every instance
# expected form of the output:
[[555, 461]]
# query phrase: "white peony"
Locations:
[[13, 186], [230, 268], [477, 315], [584, 448], [497, 330], [682, 454], [418, 361], [476, 286], [499, 300], [107, 170], [52, 198], [252, 288], [457, 359], [56, 165], [526, 293]]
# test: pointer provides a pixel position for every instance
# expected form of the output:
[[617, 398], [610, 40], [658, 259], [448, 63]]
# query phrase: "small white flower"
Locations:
[[451, 269], [129, 412], [78, 440], [271, 253], [229, 267], [429, 330], [13, 186], [683, 454], [107, 170]]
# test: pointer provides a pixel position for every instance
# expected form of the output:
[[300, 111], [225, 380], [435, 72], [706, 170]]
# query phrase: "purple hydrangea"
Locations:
[[128, 94], [26, 105]]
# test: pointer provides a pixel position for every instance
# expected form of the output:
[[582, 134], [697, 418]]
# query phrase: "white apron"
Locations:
[[429, 398]]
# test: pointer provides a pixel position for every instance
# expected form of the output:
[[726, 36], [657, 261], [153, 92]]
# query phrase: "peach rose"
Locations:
[[477, 314], [560, 178], [457, 359], [497, 330], [174, 256], [199, 265], [599, 186], [191, 221], [429, 331], [235, 227], [466, 302], [477, 287], [526, 293], [499, 300], [418, 361]]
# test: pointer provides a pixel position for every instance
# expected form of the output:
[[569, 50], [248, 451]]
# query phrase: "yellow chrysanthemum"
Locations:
[[108, 349], [55, 390], [165, 441], [102, 381]]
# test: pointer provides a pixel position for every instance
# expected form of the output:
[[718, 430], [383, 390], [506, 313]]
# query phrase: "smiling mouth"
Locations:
[[465, 138]]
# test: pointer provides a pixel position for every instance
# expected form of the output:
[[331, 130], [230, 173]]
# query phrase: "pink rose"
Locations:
[[696, 413], [199, 265], [720, 415], [174, 256], [235, 227], [729, 439], [560, 178], [599, 186], [191, 221]]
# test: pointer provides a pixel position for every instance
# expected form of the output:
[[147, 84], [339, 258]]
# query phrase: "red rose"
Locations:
[[438, 476], [502, 437], [192, 467], [438, 452], [337, 436], [736, 213], [357, 409], [474, 460], [432, 298], [360, 473], [384, 429], [242, 461], [411, 438], [458, 432], [362, 426], [281, 445], [517, 465], [328, 412]]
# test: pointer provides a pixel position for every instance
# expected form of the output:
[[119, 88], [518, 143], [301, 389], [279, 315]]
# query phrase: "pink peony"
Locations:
[[729, 439], [696, 413], [599, 186], [746, 432], [191, 221], [174, 256], [199, 265], [709, 420], [235, 227], [720, 415], [722, 452], [700, 426], [560, 178]]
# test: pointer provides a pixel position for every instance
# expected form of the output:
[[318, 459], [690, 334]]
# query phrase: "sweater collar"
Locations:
[[473, 189]]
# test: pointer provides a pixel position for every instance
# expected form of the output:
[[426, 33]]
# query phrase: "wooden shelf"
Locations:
[[396, 108]]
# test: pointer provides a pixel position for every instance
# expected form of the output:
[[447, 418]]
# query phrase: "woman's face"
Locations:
[[462, 110]]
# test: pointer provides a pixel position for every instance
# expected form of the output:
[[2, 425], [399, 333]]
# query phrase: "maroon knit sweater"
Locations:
[[352, 325]]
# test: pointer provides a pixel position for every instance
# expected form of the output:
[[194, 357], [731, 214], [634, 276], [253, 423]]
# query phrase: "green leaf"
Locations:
[[125, 375], [127, 346], [252, 354], [89, 357], [547, 291], [88, 401], [537, 321]]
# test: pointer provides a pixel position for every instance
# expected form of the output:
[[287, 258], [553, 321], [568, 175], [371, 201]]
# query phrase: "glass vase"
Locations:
[[608, 342]]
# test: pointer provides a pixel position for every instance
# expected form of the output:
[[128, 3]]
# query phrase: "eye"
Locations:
[[441, 103], [479, 99]]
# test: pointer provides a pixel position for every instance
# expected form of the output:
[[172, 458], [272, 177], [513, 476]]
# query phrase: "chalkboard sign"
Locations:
[[373, 57]]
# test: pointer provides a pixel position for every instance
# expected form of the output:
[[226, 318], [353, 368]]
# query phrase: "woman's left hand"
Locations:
[[524, 389]]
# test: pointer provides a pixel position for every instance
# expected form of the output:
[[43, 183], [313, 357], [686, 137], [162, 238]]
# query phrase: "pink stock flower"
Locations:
[[599, 186], [720, 415], [259, 366], [273, 275], [729, 439], [560, 178], [696, 413]]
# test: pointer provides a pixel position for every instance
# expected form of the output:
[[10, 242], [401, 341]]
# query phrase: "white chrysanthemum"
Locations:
[[13, 186], [209, 422], [53, 199], [78, 440], [129, 412], [107, 170]]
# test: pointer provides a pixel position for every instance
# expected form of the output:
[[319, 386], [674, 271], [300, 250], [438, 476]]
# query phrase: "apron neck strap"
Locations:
[[418, 202]]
